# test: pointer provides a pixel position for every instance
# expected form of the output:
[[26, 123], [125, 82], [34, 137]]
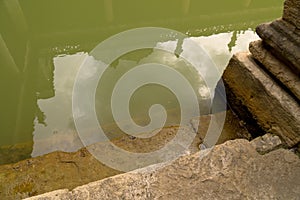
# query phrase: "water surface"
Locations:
[[43, 44]]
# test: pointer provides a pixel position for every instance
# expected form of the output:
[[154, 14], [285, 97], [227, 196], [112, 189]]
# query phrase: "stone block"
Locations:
[[233, 170], [275, 110], [276, 67], [284, 40], [291, 12]]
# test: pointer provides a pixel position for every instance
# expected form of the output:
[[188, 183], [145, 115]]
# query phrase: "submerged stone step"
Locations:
[[233, 170], [233, 128], [68, 170], [275, 110]]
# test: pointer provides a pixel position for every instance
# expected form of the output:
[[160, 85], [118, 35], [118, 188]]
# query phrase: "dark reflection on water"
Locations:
[[35, 82]]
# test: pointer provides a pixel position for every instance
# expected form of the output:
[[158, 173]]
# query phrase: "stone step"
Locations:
[[277, 68], [284, 39], [233, 170], [71, 169], [274, 109], [291, 12]]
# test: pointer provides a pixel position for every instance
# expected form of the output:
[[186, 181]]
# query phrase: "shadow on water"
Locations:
[[36, 79]]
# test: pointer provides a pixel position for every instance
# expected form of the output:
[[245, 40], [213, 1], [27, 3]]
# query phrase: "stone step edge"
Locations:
[[273, 108], [276, 67], [283, 40]]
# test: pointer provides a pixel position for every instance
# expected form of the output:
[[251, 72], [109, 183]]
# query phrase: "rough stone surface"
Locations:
[[284, 40], [68, 170], [241, 110], [59, 170], [232, 128], [273, 108], [281, 72], [266, 143], [49, 172], [291, 12], [233, 170]]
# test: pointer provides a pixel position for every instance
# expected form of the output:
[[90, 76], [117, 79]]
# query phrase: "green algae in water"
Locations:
[[36, 34]]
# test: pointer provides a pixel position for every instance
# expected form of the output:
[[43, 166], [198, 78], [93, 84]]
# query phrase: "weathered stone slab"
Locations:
[[233, 170], [241, 110], [266, 143], [68, 170], [283, 73], [272, 107], [284, 40], [291, 12]]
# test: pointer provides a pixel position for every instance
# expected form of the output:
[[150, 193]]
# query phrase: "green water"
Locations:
[[43, 43]]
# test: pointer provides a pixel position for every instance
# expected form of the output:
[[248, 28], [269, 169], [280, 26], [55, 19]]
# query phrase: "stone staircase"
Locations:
[[264, 85]]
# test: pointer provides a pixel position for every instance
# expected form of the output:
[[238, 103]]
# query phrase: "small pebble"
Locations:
[[132, 137]]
